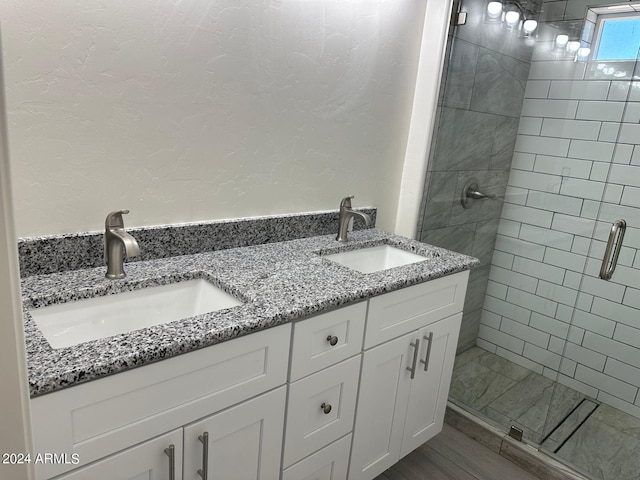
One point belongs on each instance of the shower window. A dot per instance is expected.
(618, 38)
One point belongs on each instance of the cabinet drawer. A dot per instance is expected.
(309, 428)
(107, 415)
(402, 311)
(312, 339)
(330, 463)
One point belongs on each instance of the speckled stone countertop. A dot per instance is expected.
(279, 282)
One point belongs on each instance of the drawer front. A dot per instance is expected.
(107, 415)
(313, 338)
(402, 311)
(321, 409)
(330, 463)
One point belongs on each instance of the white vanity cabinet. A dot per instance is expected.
(405, 381)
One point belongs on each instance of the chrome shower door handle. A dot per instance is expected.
(609, 261)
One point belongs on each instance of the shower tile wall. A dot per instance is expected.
(479, 111)
(566, 143)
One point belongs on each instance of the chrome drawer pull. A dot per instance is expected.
(204, 472)
(609, 263)
(171, 453)
(428, 355)
(333, 340)
(412, 368)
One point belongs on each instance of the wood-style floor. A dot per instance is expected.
(452, 455)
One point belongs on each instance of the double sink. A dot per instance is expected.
(75, 322)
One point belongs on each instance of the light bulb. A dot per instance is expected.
(512, 18)
(494, 9)
(529, 26)
(562, 40)
(584, 52)
(573, 47)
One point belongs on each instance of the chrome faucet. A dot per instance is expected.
(118, 245)
(346, 213)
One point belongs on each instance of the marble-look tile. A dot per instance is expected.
(563, 431)
(469, 355)
(441, 196)
(459, 238)
(464, 140)
(476, 386)
(469, 330)
(499, 84)
(619, 420)
(489, 182)
(476, 288)
(504, 142)
(503, 366)
(484, 240)
(460, 74)
(603, 451)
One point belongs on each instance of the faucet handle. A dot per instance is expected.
(114, 219)
(346, 201)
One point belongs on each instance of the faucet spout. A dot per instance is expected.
(346, 214)
(118, 245)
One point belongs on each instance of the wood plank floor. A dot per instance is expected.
(452, 455)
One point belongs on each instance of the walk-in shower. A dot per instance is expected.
(546, 119)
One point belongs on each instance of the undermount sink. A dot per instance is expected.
(81, 321)
(375, 259)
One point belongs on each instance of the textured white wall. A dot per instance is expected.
(195, 110)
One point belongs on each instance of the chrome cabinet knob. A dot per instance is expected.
(333, 340)
(326, 408)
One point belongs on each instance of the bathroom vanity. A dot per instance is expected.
(322, 372)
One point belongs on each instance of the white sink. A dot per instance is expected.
(81, 321)
(375, 259)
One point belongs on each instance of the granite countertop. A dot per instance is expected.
(279, 282)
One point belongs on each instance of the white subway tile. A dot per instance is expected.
(496, 290)
(590, 209)
(576, 335)
(513, 279)
(631, 113)
(618, 92)
(599, 171)
(612, 193)
(501, 339)
(524, 332)
(545, 236)
(604, 111)
(542, 356)
(572, 279)
(542, 145)
(530, 126)
(509, 228)
(557, 293)
(490, 319)
(501, 259)
(611, 348)
(580, 245)
(537, 89)
(554, 70)
(489, 347)
(635, 157)
(551, 108)
(520, 247)
(621, 405)
(579, 90)
(609, 132)
(563, 259)
(556, 345)
(610, 212)
(604, 382)
(622, 371)
(576, 187)
(631, 196)
(568, 367)
(565, 314)
(625, 175)
(629, 133)
(587, 150)
(507, 309)
(531, 302)
(516, 195)
(593, 323)
(554, 203)
(584, 301)
(539, 270)
(587, 390)
(523, 161)
(533, 216)
(580, 129)
(623, 153)
(599, 288)
(519, 360)
(585, 356)
(550, 325)
(535, 181)
(628, 335)
(632, 295)
(567, 167)
(575, 225)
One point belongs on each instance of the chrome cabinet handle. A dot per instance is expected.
(609, 262)
(412, 368)
(326, 408)
(428, 355)
(204, 439)
(171, 453)
(333, 340)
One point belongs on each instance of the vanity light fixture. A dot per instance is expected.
(512, 15)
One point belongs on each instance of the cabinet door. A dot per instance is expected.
(430, 387)
(382, 406)
(147, 460)
(330, 463)
(244, 442)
